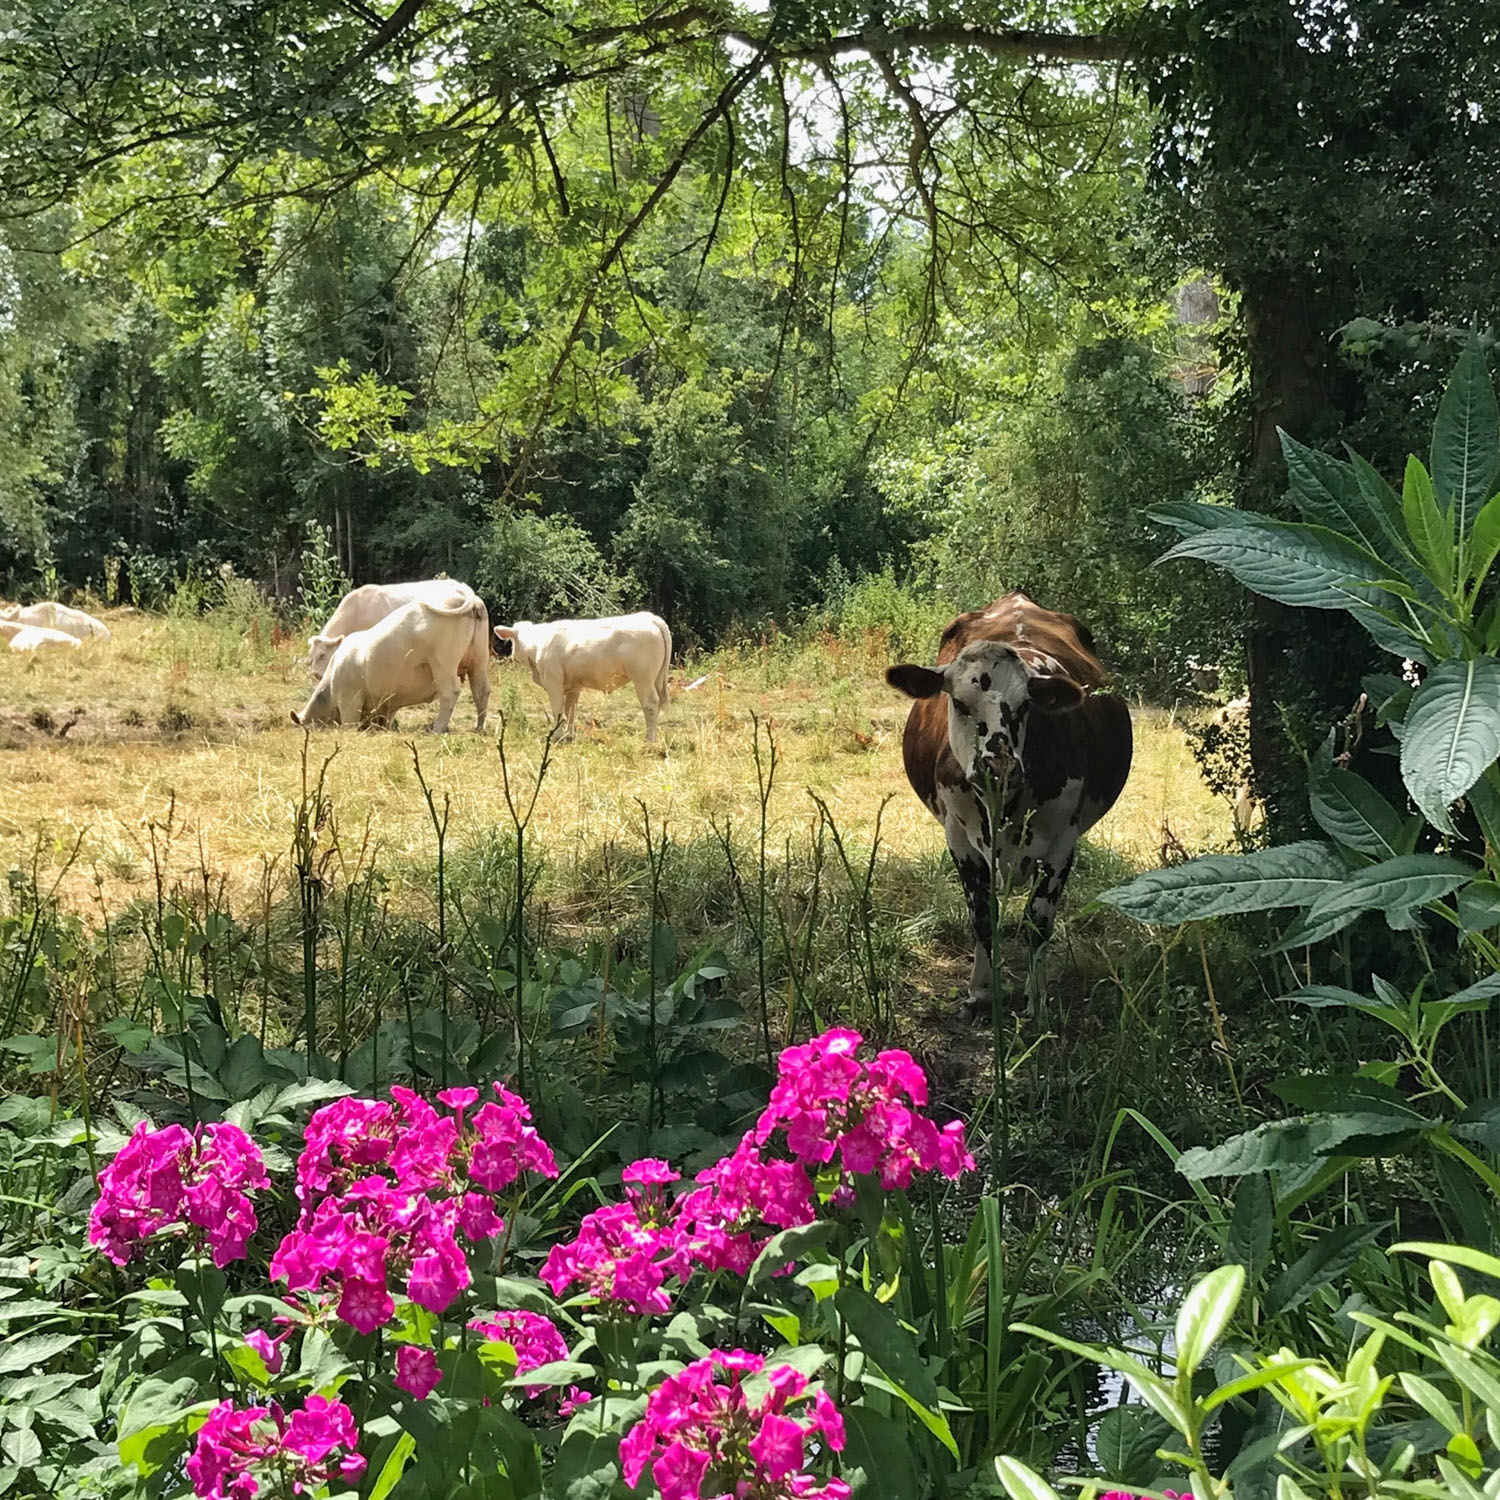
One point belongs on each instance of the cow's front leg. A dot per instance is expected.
(570, 712)
(974, 873)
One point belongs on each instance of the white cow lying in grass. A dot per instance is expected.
(53, 616)
(411, 656)
(367, 605)
(36, 637)
(567, 656)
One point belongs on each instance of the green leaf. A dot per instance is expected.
(1351, 812)
(877, 1457)
(1126, 1443)
(390, 1470)
(586, 1467)
(1394, 886)
(1022, 1483)
(1431, 1400)
(1484, 542)
(1290, 1143)
(934, 1421)
(1466, 438)
(786, 1247)
(36, 1350)
(1249, 1239)
(1254, 1381)
(1205, 1314)
(885, 1341)
(1458, 1255)
(1216, 885)
(1430, 528)
(1334, 1253)
(1451, 733)
(1384, 505)
(1308, 567)
(1479, 906)
(1329, 493)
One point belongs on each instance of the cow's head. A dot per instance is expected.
(320, 649)
(991, 692)
(520, 649)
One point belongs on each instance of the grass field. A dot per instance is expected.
(188, 718)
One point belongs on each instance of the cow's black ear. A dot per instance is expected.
(914, 681)
(1055, 695)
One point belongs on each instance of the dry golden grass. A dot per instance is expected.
(192, 716)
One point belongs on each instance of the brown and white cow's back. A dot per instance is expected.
(1012, 709)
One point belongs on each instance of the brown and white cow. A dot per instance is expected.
(1012, 705)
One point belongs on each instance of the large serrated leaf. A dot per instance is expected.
(1466, 438)
(1451, 734)
(1327, 1260)
(1308, 567)
(1126, 1444)
(1328, 493)
(1290, 1143)
(1216, 885)
(1393, 886)
(1351, 812)
(1429, 526)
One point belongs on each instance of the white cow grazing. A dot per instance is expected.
(567, 656)
(411, 656)
(36, 637)
(367, 605)
(54, 616)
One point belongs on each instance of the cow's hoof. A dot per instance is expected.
(978, 1008)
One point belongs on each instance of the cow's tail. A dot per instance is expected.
(666, 663)
(470, 604)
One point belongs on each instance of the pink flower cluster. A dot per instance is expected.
(537, 1342)
(702, 1438)
(626, 1252)
(829, 1107)
(387, 1190)
(305, 1450)
(160, 1178)
(830, 1117)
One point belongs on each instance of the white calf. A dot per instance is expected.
(566, 656)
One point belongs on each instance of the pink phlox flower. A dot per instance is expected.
(346, 1136)
(620, 1258)
(701, 1438)
(536, 1341)
(417, 1370)
(650, 1171)
(317, 1442)
(505, 1144)
(268, 1348)
(161, 1178)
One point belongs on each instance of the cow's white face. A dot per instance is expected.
(523, 653)
(320, 649)
(991, 692)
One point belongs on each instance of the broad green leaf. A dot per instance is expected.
(1290, 1143)
(586, 1467)
(1479, 906)
(877, 1457)
(1431, 1400)
(1328, 493)
(1429, 527)
(1451, 733)
(1393, 886)
(1351, 812)
(1484, 542)
(1254, 1381)
(1192, 516)
(35, 1350)
(885, 1341)
(1340, 1091)
(934, 1421)
(390, 1470)
(1466, 438)
(1216, 885)
(787, 1247)
(558, 1372)
(1458, 1255)
(1308, 567)
(1126, 1443)
(1335, 1251)
(1384, 504)
(1205, 1314)
(1022, 1483)
(1249, 1239)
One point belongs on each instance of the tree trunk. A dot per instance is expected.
(1303, 666)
